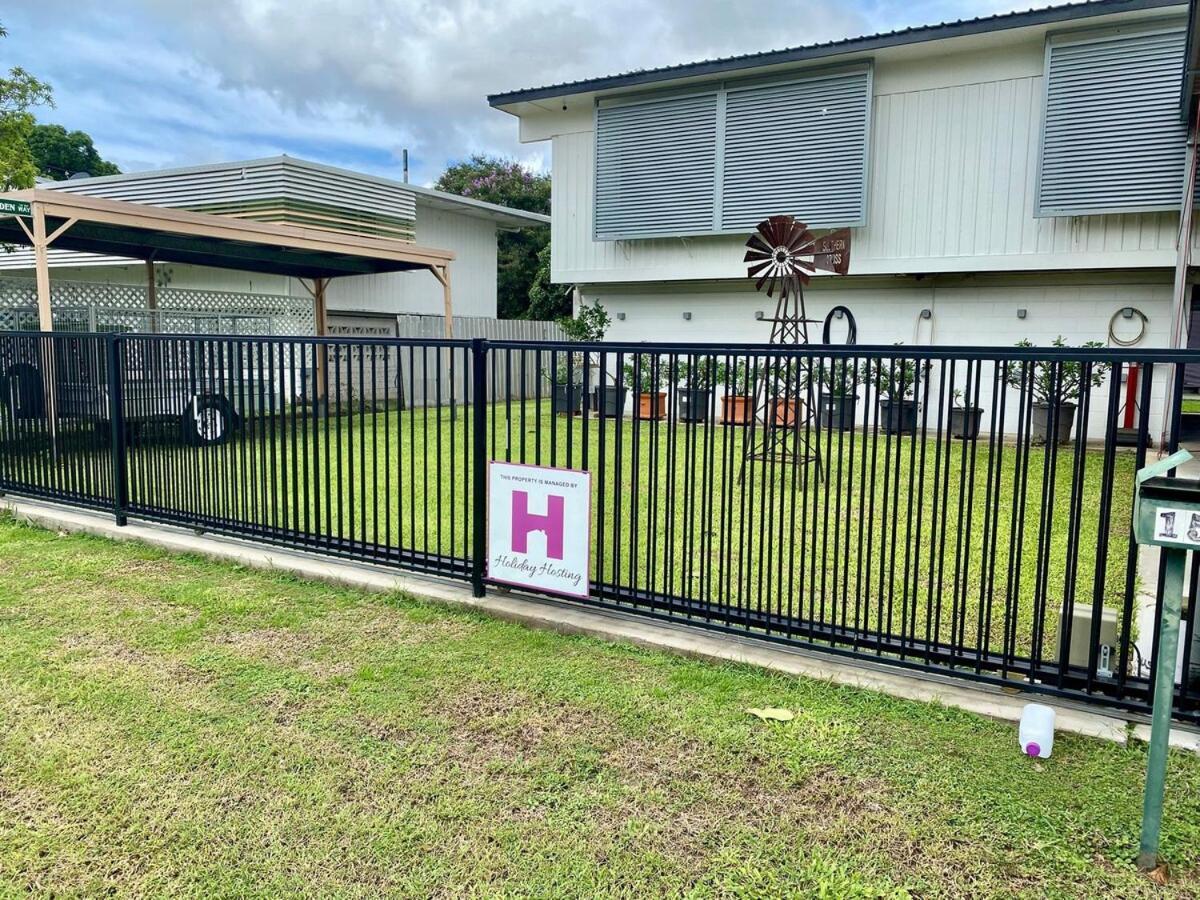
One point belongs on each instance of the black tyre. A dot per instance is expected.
(207, 420)
(22, 393)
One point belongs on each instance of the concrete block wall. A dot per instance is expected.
(964, 310)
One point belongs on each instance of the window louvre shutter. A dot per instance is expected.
(798, 148)
(1113, 140)
(656, 167)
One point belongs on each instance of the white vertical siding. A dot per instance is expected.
(951, 189)
(472, 274)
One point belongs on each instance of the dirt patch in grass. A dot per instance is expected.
(490, 723)
(100, 654)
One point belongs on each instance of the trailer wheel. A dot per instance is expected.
(207, 420)
(22, 393)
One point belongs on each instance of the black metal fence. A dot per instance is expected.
(959, 510)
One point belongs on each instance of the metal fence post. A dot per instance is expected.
(478, 464)
(116, 422)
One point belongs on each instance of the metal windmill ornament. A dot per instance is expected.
(781, 256)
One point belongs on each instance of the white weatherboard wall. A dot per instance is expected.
(953, 165)
(472, 273)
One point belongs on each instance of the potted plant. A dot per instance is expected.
(738, 376)
(566, 397)
(789, 382)
(1056, 389)
(695, 378)
(588, 325)
(964, 420)
(645, 375)
(896, 380)
(839, 402)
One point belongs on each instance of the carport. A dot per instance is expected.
(43, 219)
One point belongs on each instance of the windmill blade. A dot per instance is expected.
(766, 230)
(758, 267)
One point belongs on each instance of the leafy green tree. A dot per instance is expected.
(19, 93)
(59, 153)
(546, 299)
(508, 183)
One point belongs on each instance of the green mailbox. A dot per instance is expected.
(1166, 510)
(1166, 513)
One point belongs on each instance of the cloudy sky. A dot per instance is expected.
(350, 82)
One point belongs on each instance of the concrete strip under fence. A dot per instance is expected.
(609, 625)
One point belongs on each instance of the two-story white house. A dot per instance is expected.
(1015, 176)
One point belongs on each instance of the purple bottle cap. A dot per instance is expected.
(1033, 749)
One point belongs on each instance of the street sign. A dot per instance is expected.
(16, 208)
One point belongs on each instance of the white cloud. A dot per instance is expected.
(165, 82)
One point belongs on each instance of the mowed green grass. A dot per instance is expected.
(932, 539)
(176, 726)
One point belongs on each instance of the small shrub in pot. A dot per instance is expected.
(1054, 388)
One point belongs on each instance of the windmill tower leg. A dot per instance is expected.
(787, 441)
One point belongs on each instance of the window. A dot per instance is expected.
(655, 163)
(1112, 138)
(721, 161)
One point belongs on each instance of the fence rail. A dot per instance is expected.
(958, 510)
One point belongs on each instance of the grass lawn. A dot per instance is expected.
(170, 725)
(931, 539)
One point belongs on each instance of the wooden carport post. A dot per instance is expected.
(41, 257)
(442, 274)
(317, 291)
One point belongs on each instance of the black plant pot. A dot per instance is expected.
(899, 416)
(609, 400)
(694, 404)
(1039, 422)
(964, 422)
(567, 399)
(838, 411)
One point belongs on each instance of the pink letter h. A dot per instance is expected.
(523, 522)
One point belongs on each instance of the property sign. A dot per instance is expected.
(539, 527)
(15, 208)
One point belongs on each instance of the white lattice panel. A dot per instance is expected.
(180, 310)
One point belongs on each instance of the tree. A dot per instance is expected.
(508, 183)
(19, 92)
(59, 153)
(546, 299)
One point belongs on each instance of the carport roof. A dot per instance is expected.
(138, 231)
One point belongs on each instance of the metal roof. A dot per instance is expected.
(914, 35)
(139, 231)
(501, 215)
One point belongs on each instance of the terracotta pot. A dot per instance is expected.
(652, 406)
(737, 409)
(785, 413)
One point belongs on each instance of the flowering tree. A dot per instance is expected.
(508, 183)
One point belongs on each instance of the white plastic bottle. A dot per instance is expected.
(1036, 733)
